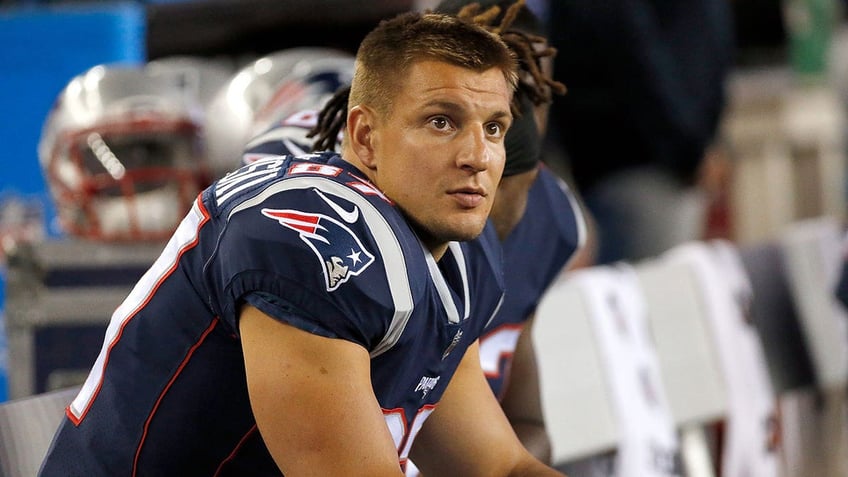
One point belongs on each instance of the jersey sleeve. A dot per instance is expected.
(546, 238)
(312, 253)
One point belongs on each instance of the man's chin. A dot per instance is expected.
(434, 238)
(468, 231)
(456, 228)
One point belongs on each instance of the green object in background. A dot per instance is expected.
(810, 25)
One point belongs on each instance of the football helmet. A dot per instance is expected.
(198, 78)
(122, 149)
(264, 94)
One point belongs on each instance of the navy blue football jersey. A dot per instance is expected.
(547, 236)
(311, 243)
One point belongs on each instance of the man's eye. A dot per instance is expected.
(494, 129)
(440, 123)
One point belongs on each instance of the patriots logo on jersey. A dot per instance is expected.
(426, 385)
(340, 251)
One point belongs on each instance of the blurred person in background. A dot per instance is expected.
(646, 83)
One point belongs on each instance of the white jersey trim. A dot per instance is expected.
(579, 218)
(463, 271)
(184, 237)
(442, 286)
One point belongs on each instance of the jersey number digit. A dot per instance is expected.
(497, 346)
(403, 437)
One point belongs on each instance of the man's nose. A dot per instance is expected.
(475, 154)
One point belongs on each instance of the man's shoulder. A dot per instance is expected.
(555, 189)
(320, 237)
(316, 203)
(553, 212)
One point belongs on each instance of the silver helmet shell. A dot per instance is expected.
(199, 78)
(122, 152)
(262, 94)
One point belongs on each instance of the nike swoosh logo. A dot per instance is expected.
(349, 217)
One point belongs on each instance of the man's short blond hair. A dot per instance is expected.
(386, 54)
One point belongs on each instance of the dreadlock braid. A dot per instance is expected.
(533, 81)
(331, 120)
(471, 12)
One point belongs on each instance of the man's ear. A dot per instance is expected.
(360, 128)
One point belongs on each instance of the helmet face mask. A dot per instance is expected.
(123, 155)
(115, 182)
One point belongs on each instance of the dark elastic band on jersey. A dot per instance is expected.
(522, 141)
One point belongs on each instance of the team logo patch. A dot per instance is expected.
(340, 251)
(426, 385)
